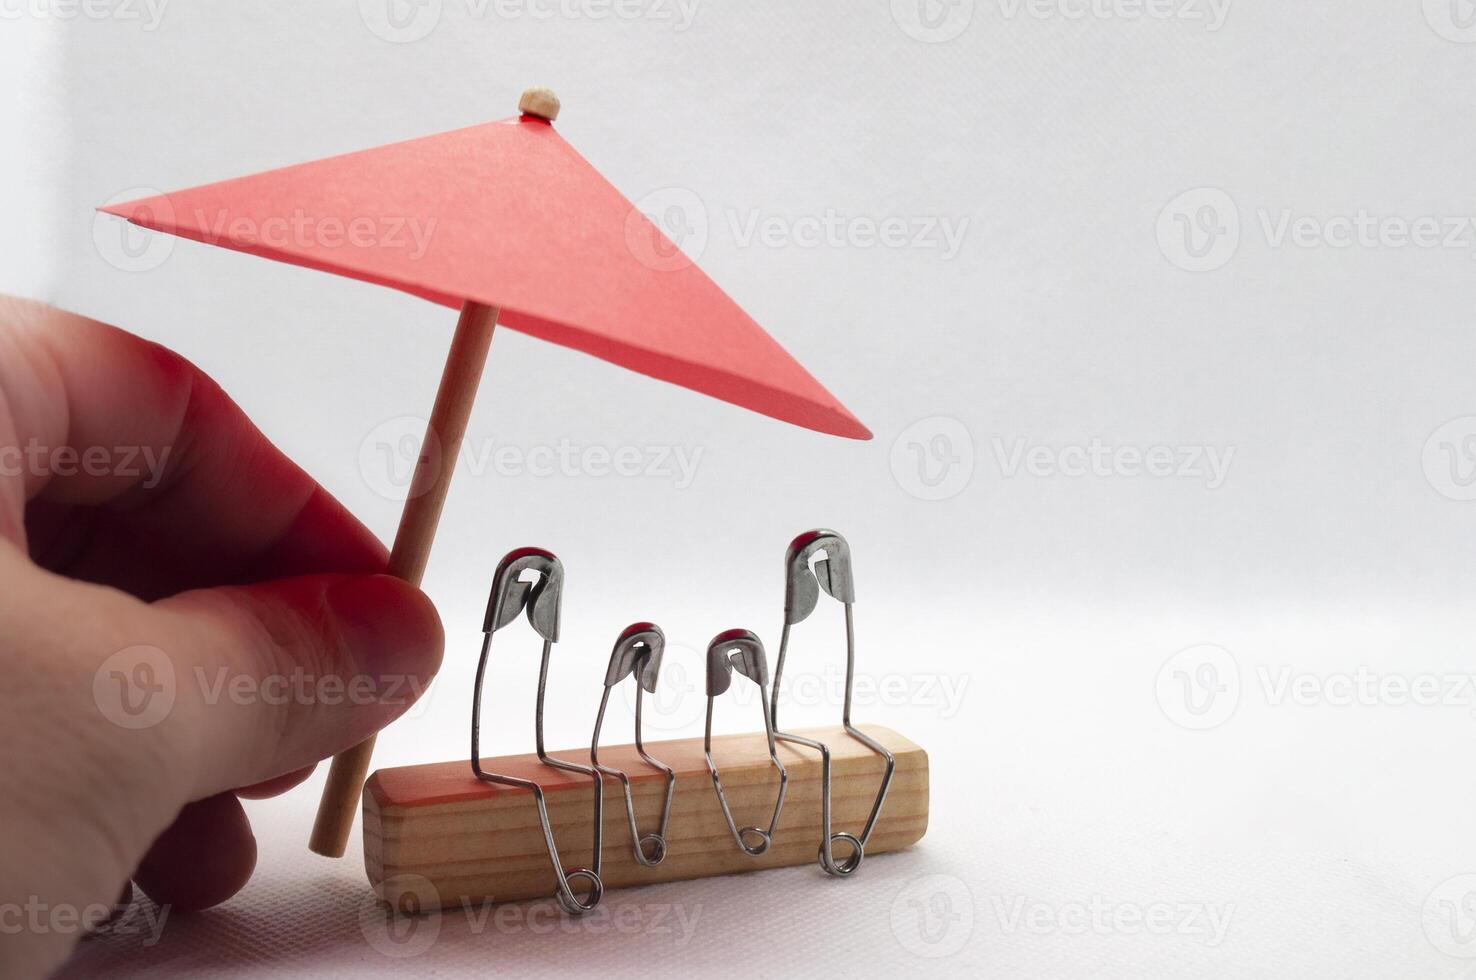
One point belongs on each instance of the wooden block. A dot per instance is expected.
(474, 841)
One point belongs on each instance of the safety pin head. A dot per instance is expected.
(542, 597)
(638, 651)
(803, 581)
(739, 649)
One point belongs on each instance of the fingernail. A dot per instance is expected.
(389, 627)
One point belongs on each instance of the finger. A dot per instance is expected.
(124, 448)
(205, 857)
(271, 678)
(275, 787)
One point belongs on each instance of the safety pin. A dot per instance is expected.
(637, 653)
(832, 572)
(741, 649)
(543, 598)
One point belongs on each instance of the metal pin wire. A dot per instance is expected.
(542, 600)
(832, 573)
(638, 653)
(741, 650)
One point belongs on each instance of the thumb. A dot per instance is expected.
(271, 678)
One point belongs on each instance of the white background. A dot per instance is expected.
(1121, 182)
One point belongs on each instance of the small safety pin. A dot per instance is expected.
(741, 649)
(637, 653)
(542, 598)
(801, 594)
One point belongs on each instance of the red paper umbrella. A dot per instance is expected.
(507, 222)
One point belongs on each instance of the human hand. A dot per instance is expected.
(186, 618)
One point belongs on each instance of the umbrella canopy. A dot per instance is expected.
(509, 215)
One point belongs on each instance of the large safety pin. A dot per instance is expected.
(742, 650)
(637, 653)
(803, 583)
(542, 598)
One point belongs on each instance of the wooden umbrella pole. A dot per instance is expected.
(433, 471)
